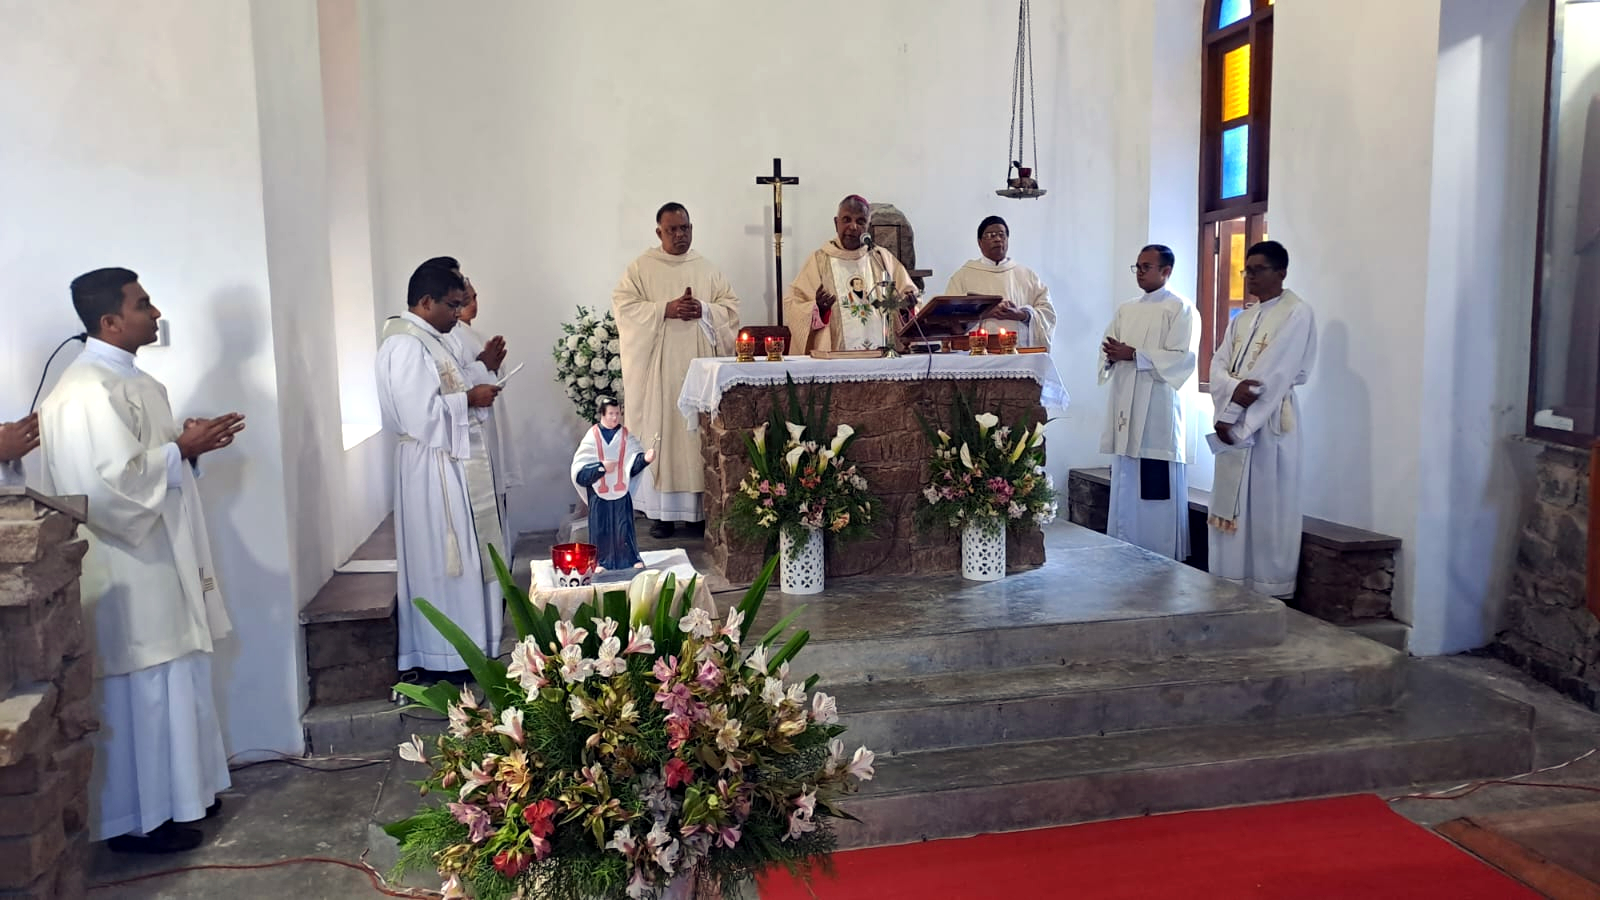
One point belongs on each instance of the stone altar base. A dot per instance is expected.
(891, 453)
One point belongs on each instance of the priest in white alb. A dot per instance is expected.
(1026, 308)
(672, 306)
(830, 303)
(1148, 356)
(150, 593)
(1267, 352)
(445, 511)
(481, 360)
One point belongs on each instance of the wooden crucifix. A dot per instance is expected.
(777, 180)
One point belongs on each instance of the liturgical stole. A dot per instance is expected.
(480, 477)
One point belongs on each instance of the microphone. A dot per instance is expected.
(82, 338)
(867, 242)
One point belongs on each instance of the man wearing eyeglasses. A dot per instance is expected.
(445, 509)
(1026, 308)
(1149, 354)
(1267, 352)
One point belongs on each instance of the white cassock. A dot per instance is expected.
(1255, 504)
(1016, 283)
(656, 352)
(149, 593)
(467, 344)
(445, 510)
(1144, 421)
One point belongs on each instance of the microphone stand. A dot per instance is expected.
(887, 303)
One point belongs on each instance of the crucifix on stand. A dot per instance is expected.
(777, 180)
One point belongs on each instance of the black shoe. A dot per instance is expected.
(169, 838)
(662, 530)
(214, 808)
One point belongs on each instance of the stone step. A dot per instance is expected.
(1098, 600)
(1318, 670)
(363, 726)
(1443, 730)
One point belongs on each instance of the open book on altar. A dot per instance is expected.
(949, 315)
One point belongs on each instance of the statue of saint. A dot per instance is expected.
(603, 468)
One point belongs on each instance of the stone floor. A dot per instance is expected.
(278, 811)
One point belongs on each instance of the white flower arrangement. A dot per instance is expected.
(588, 359)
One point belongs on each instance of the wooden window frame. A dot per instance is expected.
(1256, 31)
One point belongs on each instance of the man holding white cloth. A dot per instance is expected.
(1268, 351)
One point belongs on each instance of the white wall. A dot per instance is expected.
(131, 139)
(535, 142)
(1352, 149)
(1487, 125)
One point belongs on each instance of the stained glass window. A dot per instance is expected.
(1235, 161)
(1236, 83)
(1231, 11)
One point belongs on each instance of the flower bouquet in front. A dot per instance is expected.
(641, 748)
(984, 479)
(588, 359)
(800, 488)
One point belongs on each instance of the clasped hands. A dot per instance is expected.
(1244, 395)
(1115, 350)
(494, 353)
(685, 307)
(1009, 311)
(201, 436)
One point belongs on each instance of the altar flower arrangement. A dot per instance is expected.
(800, 478)
(985, 474)
(642, 748)
(588, 359)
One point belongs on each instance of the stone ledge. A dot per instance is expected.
(355, 596)
(24, 716)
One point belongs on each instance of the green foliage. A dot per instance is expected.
(984, 473)
(799, 479)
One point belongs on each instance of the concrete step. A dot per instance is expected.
(1387, 632)
(1318, 670)
(363, 726)
(1442, 730)
(1103, 600)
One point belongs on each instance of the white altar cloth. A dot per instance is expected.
(709, 377)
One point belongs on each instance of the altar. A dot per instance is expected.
(881, 399)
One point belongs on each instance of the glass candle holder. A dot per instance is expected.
(745, 348)
(775, 349)
(978, 343)
(1008, 341)
(574, 564)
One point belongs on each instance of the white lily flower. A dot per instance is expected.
(966, 457)
(792, 458)
(697, 623)
(985, 422)
(824, 456)
(839, 437)
(795, 431)
(824, 710)
(944, 437)
(759, 434)
(758, 659)
(1038, 435)
(412, 751)
(861, 764)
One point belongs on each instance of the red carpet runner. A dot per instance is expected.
(1346, 847)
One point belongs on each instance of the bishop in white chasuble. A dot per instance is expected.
(1148, 356)
(1027, 309)
(150, 593)
(672, 306)
(828, 306)
(445, 511)
(1267, 352)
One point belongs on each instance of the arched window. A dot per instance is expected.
(1236, 117)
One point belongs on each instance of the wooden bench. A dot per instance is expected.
(1346, 573)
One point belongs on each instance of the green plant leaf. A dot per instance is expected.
(420, 696)
(789, 649)
(402, 829)
(490, 674)
(750, 605)
(781, 627)
(517, 603)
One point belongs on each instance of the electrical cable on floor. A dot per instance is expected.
(361, 762)
(1473, 787)
(379, 883)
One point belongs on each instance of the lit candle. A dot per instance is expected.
(746, 347)
(775, 349)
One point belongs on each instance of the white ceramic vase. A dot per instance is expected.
(801, 565)
(983, 552)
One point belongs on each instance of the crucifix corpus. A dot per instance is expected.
(777, 180)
